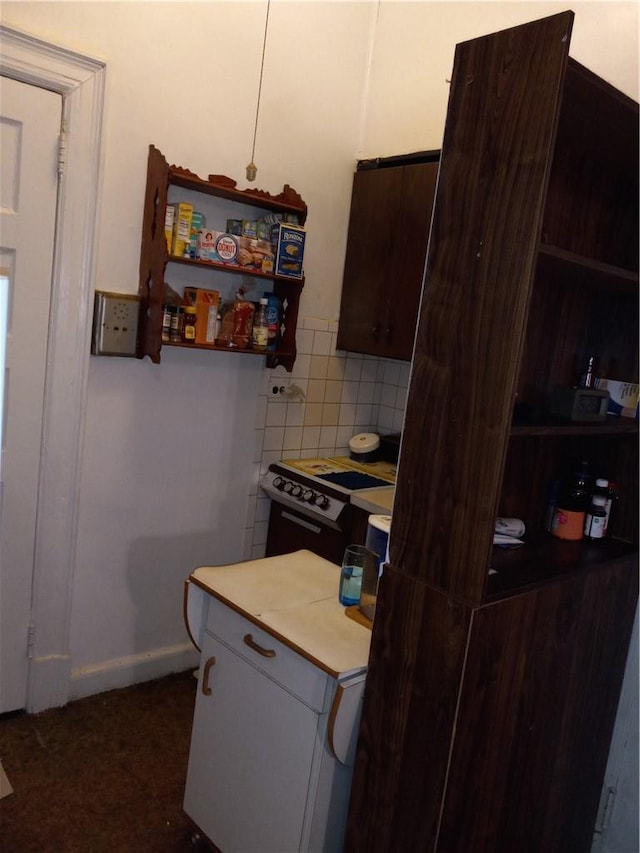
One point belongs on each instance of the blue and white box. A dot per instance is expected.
(623, 397)
(288, 248)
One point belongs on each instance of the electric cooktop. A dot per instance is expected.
(345, 472)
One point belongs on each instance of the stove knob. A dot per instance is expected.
(322, 502)
(288, 485)
(308, 496)
(278, 482)
(296, 491)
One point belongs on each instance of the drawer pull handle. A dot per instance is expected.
(266, 653)
(314, 528)
(206, 690)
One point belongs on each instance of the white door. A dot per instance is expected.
(29, 130)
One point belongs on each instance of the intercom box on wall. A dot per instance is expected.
(115, 324)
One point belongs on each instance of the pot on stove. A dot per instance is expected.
(364, 447)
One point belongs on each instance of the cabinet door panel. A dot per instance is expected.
(541, 684)
(375, 208)
(404, 284)
(251, 753)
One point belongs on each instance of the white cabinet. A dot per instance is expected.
(273, 738)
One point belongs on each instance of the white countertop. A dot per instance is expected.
(376, 501)
(295, 598)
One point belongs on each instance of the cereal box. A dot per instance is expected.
(288, 243)
(183, 211)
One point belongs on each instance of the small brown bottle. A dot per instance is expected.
(189, 325)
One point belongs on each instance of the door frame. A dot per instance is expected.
(81, 82)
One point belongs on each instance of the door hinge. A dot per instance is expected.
(30, 640)
(62, 151)
(604, 812)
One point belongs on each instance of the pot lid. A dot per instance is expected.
(364, 442)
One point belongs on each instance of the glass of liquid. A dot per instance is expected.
(356, 559)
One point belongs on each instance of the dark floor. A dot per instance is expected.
(105, 773)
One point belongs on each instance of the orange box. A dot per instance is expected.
(206, 303)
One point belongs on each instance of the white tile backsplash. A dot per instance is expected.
(341, 394)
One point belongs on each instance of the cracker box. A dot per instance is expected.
(288, 247)
(255, 254)
(183, 211)
(206, 303)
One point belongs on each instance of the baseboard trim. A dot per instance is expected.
(133, 669)
(48, 682)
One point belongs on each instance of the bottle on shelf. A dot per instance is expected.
(573, 502)
(260, 332)
(189, 325)
(552, 503)
(175, 333)
(588, 372)
(595, 519)
(167, 311)
(274, 319)
(603, 490)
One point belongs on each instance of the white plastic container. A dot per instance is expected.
(378, 529)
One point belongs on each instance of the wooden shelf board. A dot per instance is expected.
(543, 558)
(612, 426)
(589, 272)
(223, 348)
(234, 268)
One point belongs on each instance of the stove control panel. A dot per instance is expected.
(302, 493)
(303, 497)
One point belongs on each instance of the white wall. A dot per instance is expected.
(170, 451)
(413, 59)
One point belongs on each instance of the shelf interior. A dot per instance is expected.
(543, 558)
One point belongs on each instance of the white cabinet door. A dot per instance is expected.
(250, 764)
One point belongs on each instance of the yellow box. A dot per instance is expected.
(183, 211)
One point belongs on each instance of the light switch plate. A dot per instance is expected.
(115, 324)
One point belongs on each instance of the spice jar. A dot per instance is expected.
(166, 323)
(189, 325)
(175, 335)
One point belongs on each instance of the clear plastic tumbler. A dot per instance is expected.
(356, 557)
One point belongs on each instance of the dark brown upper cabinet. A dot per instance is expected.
(389, 223)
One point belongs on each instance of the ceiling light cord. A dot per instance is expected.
(252, 168)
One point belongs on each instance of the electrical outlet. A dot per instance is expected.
(115, 323)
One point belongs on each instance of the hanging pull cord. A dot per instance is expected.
(252, 168)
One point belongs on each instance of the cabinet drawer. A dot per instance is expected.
(275, 659)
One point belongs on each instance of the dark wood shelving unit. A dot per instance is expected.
(154, 257)
(491, 698)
